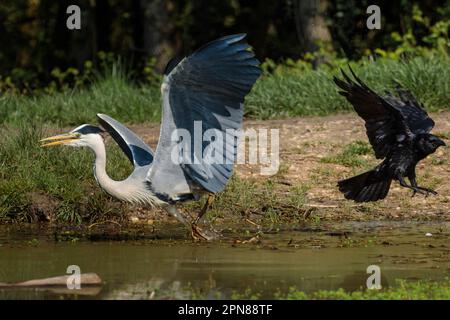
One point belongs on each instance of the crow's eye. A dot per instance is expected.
(400, 137)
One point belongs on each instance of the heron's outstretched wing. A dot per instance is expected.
(137, 151)
(204, 91)
(385, 123)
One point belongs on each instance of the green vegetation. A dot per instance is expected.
(111, 94)
(299, 90)
(290, 90)
(263, 199)
(51, 184)
(351, 155)
(402, 290)
(39, 51)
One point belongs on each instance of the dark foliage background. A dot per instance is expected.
(146, 34)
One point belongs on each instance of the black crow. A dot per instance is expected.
(398, 128)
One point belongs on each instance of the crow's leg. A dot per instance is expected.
(428, 190)
(412, 178)
(405, 185)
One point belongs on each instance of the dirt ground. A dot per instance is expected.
(305, 142)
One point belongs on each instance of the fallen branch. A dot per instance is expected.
(89, 279)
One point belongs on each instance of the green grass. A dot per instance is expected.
(351, 155)
(289, 91)
(62, 178)
(248, 197)
(112, 95)
(402, 290)
(302, 91)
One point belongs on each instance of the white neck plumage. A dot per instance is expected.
(108, 184)
(129, 190)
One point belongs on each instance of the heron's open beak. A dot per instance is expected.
(59, 139)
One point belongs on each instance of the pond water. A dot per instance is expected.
(325, 257)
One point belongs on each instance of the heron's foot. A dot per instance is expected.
(203, 233)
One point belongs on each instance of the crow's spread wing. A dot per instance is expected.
(386, 125)
(412, 111)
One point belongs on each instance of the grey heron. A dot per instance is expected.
(204, 91)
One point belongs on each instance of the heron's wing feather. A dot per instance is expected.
(206, 91)
(137, 151)
(385, 124)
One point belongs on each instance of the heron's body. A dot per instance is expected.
(203, 93)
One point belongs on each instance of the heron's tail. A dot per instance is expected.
(365, 187)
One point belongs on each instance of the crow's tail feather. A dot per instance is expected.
(365, 187)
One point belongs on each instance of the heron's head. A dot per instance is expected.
(429, 143)
(85, 135)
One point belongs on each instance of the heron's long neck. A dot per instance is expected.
(100, 167)
(126, 190)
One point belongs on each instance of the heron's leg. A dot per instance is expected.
(173, 211)
(205, 208)
(197, 232)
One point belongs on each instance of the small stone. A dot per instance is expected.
(134, 219)
(428, 234)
